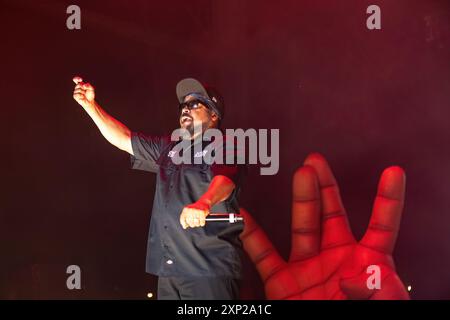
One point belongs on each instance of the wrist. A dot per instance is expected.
(89, 106)
(205, 202)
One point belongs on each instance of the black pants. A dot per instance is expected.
(204, 288)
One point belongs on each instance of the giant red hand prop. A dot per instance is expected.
(326, 262)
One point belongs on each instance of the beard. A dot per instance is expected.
(190, 128)
(194, 127)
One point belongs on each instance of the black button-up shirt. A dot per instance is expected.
(212, 250)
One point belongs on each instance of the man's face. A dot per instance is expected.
(196, 117)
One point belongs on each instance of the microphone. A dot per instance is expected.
(230, 217)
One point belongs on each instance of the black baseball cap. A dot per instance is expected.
(189, 86)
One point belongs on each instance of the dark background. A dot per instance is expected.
(365, 99)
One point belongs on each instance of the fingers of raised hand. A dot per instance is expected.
(77, 79)
(79, 89)
(88, 87)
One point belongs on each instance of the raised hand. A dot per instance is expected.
(326, 262)
(83, 93)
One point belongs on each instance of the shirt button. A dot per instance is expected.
(169, 261)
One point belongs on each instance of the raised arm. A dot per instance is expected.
(113, 130)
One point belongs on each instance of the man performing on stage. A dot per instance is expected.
(193, 259)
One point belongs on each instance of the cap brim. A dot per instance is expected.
(189, 85)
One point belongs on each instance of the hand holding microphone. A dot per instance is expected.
(195, 215)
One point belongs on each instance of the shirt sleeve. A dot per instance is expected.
(146, 151)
